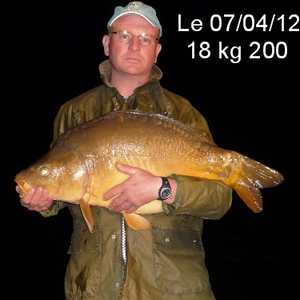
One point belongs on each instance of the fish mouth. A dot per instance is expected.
(24, 187)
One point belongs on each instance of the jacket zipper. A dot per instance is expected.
(123, 243)
(124, 251)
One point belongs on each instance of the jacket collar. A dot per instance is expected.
(104, 68)
(155, 100)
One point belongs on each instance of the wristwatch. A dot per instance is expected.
(165, 189)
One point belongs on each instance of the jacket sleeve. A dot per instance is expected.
(205, 198)
(199, 197)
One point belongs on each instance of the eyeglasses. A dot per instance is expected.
(125, 37)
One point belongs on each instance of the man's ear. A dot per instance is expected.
(106, 42)
(158, 49)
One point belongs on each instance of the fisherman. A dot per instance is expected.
(115, 261)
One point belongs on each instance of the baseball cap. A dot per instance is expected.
(137, 8)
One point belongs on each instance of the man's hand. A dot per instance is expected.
(36, 199)
(140, 188)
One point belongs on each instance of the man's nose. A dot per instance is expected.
(135, 44)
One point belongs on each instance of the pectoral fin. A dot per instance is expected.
(86, 212)
(136, 222)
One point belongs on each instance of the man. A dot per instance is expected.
(116, 262)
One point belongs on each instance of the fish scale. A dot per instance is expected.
(81, 166)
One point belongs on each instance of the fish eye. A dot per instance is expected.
(44, 171)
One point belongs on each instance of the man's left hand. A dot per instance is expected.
(140, 188)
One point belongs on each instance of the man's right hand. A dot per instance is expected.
(36, 199)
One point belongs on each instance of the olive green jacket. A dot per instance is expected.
(165, 262)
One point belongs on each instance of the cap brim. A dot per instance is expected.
(131, 13)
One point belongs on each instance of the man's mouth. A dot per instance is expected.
(132, 59)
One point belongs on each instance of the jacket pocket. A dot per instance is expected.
(179, 261)
(84, 241)
(82, 280)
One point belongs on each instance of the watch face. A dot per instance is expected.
(165, 193)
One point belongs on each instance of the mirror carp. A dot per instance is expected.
(81, 166)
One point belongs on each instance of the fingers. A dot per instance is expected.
(122, 203)
(127, 169)
(140, 188)
(118, 189)
(113, 192)
(132, 208)
(37, 199)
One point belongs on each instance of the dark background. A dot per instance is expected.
(51, 54)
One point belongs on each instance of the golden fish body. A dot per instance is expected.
(81, 166)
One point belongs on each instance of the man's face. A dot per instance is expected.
(132, 58)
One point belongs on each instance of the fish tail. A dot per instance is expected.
(136, 222)
(252, 176)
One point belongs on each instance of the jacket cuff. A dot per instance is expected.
(170, 209)
(53, 209)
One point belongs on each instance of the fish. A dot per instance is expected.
(81, 166)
